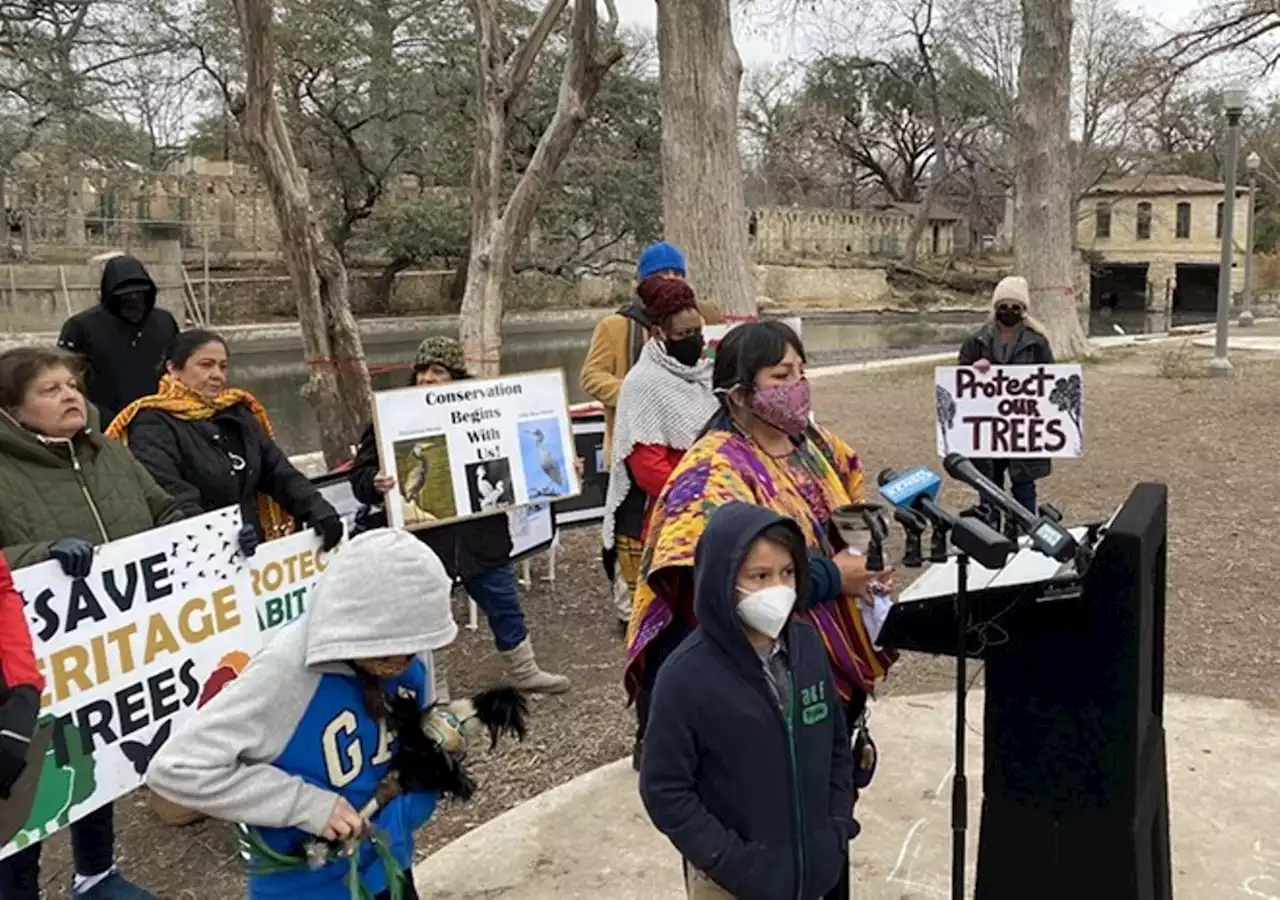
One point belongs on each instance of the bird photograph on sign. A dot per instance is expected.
(546, 470)
(489, 485)
(423, 474)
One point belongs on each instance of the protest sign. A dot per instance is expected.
(588, 443)
(163, 620)
(532, 528)
(475, 447)
(281, 573)
(1010, 412)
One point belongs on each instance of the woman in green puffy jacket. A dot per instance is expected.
(64, 489)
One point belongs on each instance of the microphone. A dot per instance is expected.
(913, 526)
(855, 518)
(1048, 535)
(916, 490)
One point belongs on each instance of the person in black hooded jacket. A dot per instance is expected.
(747, 767)
(211, 446)
(123, 339)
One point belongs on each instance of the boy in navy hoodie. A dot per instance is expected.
(747, 767)
(295, 745)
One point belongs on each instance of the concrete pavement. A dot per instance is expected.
(590, 839)
(1254, 344)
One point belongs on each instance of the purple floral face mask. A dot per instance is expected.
(784, 406)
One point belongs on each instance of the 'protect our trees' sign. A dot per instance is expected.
(1010, 412)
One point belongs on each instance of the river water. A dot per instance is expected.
(274, 371)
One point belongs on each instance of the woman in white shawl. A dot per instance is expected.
(665, 402)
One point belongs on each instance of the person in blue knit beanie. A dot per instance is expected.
(663, 259)
(615, 346)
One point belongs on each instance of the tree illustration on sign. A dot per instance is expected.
(1066, 396)
(945, 406)
(63, 786)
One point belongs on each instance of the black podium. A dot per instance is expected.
(1075, 794)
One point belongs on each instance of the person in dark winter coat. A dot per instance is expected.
(211, 446)
(66, 489)
(1010, 338)
(123, 339)
(747, 767)
(477, 551)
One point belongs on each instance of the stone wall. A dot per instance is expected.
(847, 288)
(41, 297)
(785, 235)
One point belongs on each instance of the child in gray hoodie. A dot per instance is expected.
(300, 741)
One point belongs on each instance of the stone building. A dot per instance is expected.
(1154, 244)
(782, 234)
(197, 204)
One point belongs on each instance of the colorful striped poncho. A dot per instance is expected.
(821, 475)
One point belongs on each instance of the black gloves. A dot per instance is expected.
(248, 540)
(17, 723)
(74, 555)
(329, 527)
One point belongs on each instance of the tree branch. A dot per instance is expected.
(530, 47)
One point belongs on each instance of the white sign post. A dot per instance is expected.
(1010, 412)
(475, 447)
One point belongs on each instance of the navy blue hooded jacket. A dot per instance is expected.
(761, 804)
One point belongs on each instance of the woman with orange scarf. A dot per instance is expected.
(210, 446)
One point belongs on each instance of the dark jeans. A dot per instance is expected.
(93, 842)
(409, 893)
(495, 592)
(1023, 491)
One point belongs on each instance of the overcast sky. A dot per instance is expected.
(757, 49)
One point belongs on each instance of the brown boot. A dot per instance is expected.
(523, 673)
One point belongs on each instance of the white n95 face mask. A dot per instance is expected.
(767, 610)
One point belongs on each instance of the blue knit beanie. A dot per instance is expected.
(660, 257)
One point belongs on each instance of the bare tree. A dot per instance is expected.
(498, 228)
(1245, 29)
(703, 207)
(339, 385)
(1044, 251)
(920, 19)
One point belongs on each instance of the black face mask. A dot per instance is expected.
(687, 350)
(1009, 317)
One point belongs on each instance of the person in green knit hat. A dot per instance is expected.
(476, 551)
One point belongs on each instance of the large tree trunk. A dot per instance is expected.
(498, 230)
(339, 385)
(703, 209)
(1044, 251)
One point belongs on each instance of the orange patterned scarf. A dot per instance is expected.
(179, 401)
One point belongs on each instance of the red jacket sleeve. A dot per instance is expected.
(17, 658)
(651, 465)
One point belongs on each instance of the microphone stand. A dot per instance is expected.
(959, 782)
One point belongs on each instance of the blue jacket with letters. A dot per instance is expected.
(278, 745)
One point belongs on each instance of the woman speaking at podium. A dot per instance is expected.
(761, 448)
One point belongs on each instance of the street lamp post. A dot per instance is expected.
(1233, 100)
(1251, 162)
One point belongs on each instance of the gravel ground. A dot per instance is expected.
(1149, 417)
